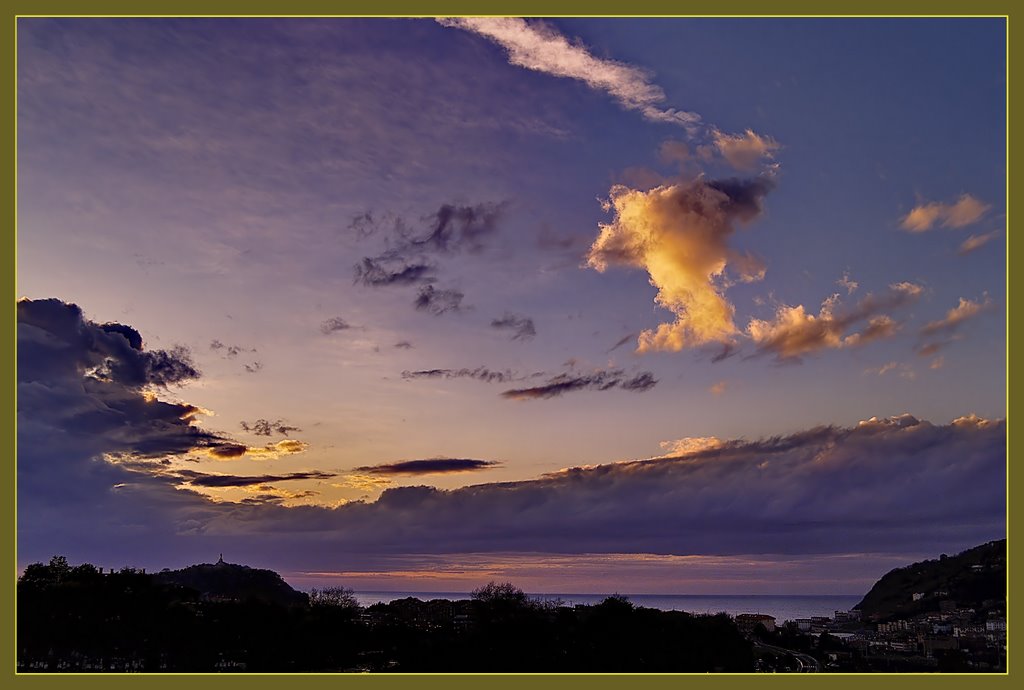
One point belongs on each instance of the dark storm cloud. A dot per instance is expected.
(438, 302)
(85, 391)
(228, 451)
(432, 466)
(333, 325)
(454, 228)
(384, 270)
(264, 427)
(640, 382)
(60, 341)
(230, 480)
(570, 382)
(521, 326)
(745, 196)
(480, 374)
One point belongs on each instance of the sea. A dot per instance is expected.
(782, 607)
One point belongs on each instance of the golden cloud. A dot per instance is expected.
(679, 235)
(966, 210)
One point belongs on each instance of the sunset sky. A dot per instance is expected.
(645, 305)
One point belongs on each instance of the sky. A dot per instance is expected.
(592, 305)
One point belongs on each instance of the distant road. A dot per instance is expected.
(805, 662)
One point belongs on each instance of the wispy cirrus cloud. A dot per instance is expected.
(537, 46)
(964, 211)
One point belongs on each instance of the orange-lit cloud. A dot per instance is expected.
(744, 151)
(966, 210)
(717, 388)
(965, 310)
(679, 234)
(363, 482)
(690, 445)
(270, 451)
(975, 242)
(795, 332)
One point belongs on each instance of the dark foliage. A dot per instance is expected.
(80, 619)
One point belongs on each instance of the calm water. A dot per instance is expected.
(784, 608)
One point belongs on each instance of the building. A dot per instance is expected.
(746, 622)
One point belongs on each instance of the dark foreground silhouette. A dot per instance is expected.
(225, 617)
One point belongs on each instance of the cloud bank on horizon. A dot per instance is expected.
(823, 490)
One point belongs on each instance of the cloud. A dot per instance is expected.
(975, 242)
(966, 309)
(382, 270)
(264, 427)
(270, 451)
(223, 481)
(403, 345)
(679, 234)
(869, 488)
(437, 302)
(254, 367)
(904, 371)
(794, 332)
(744, 151)
(691, 445)
(432, 466)
(521, 326)
(717, 388)
(570, 382)
(229, 351)
(452, 229)
(479, 374)
(944, 331)
(965, 211)
(619, 343)
(362, 482)
(850, 285)
(110, 353)
(333, 325)
(539, 47)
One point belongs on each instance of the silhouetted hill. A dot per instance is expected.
(229, 581)
(975, 578)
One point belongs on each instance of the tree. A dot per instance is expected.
(334, 597)
(494, 592)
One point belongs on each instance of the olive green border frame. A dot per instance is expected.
(8, 266)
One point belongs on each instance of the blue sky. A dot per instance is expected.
(213, 184)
